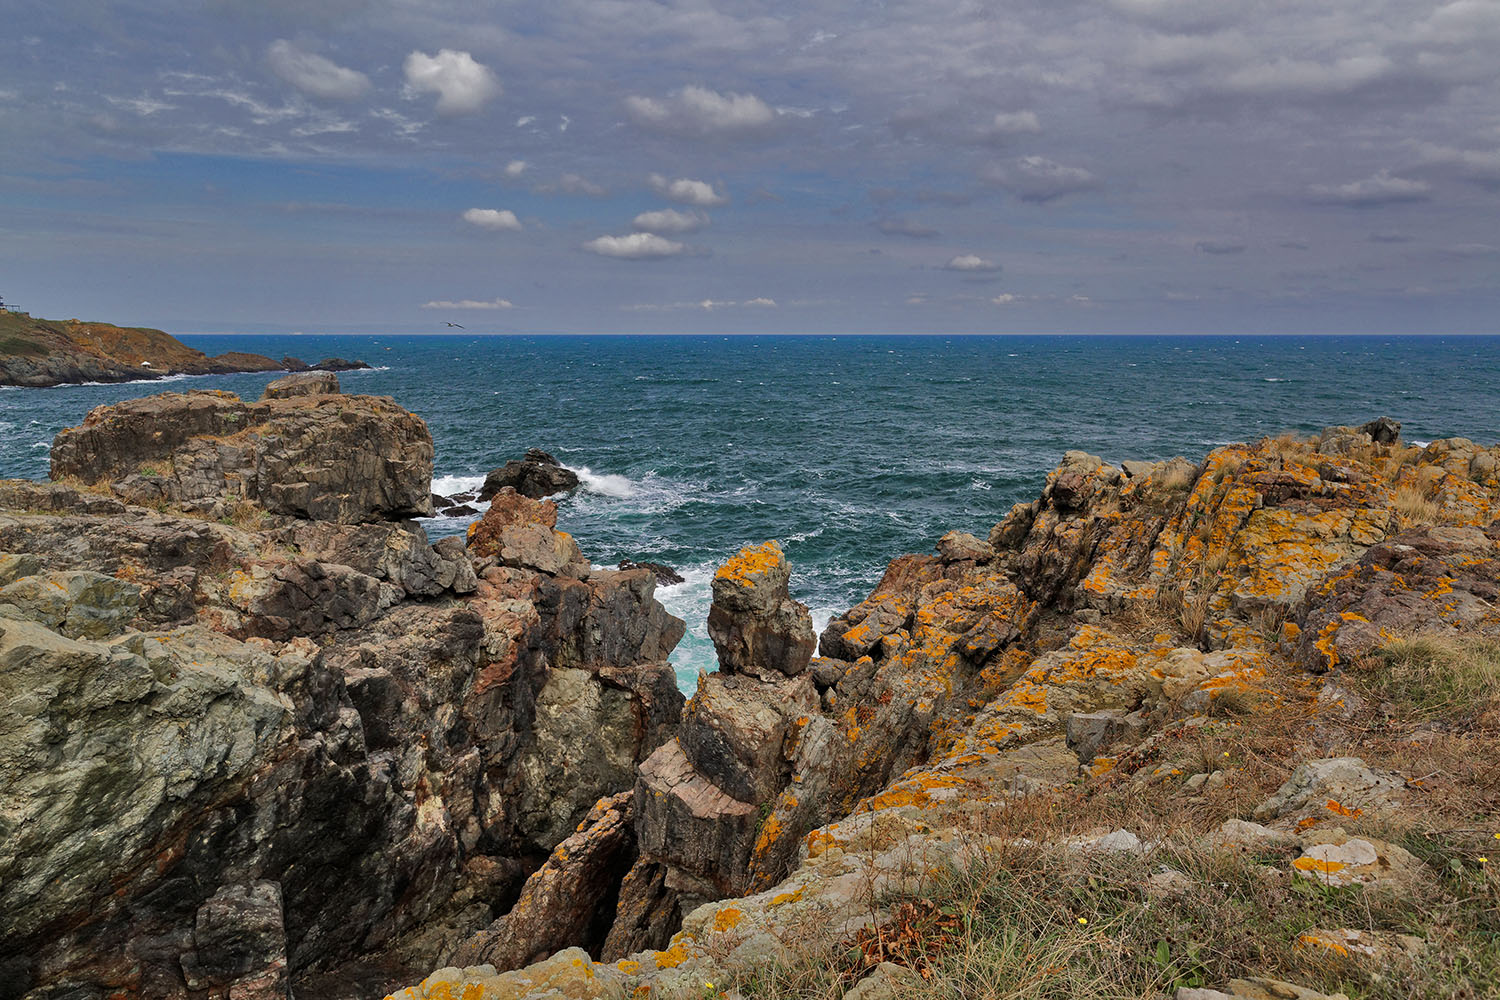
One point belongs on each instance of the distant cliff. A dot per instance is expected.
(42, 352)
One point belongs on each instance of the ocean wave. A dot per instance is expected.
(608, 484)
(42, 444)
(447, 486)
(1275, 380)
(979, 484)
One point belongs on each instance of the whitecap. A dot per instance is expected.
(609, 484)
(1421, 444)
(42, 444)
(447, 486)
(979, 484)
(1275, 380)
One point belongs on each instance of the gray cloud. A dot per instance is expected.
(314, 74)
(1219, 247)
(670, 221)
(972, 264)
(1381, 188)
(699, 110)
(1038, 179)
(468, 304)
(907, 227)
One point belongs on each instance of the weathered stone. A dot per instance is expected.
(755, 625)
(536, 475)
(1090, 732)
(239, 944)
(302, 384)
(333, 458)
(1331, 788)
(79, 604)
(1382, 430)
(959, 546)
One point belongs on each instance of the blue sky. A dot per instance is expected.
(624, 165)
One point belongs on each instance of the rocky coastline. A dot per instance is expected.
(259, 738)
(41, 353)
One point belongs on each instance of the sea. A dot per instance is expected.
(849, 450)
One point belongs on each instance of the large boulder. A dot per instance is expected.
(535, 475)
(755, 625)
(302, 384)
(327, 457)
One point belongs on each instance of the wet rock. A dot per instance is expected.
(755, 625)
(535, 475)
(330, 458)
(302, 384)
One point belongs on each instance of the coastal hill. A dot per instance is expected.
(41, 352)
(1196, 729)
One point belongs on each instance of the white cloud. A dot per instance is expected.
(699, 110)
(972, 263)
(686, 191)
(143, 106)
(669, 220)
(760, 303)
(1008, 123)
(463, 85)
(636, 246)
(314, 74)
(515, 168)
(1381, 188)
(706, 305)
(1038, 179)
(493, 218)
(1005, 299)
(468, 304)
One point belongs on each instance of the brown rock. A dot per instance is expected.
(755, 625)
(302, 384)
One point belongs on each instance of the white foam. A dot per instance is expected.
(1275, 380)
(1421, 444)
(447, 486)
(42, 444)
(608, 484)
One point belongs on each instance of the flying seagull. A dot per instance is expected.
(453, 324)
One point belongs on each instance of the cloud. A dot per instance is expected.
(1219, 247)
(1477, 166)
(636, 246)
(1040, 180)
(971, 263)
(1006, 299)
(698, 110)
(687, 192)
(468, 304)
(1012, 123)
(314, 74)
(669, 220)
(493, 218)
(463, 85)
(572, 184)
(1381, 188)
(515, 168)
(1390, 238)
(760, 303)
(706, 305)
(906, 227)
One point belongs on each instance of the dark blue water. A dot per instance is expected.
(850, 450)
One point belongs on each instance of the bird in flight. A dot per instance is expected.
(453, 324)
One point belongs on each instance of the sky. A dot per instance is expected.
(602, 166)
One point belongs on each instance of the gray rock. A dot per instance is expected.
(79, 604)
(302, 384)
(1090, 732)
(1343, 780)
(240, 943)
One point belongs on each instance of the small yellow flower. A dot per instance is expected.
(1226, 753)
(1083, 920)
(1497, 836)
(1484, 861)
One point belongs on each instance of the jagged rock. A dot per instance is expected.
(666, 576)
(647, 914)
(1435, 579)
(683, 817)
(1339, 786)
(302, 384)
(755, 625)
(331, 458)
(1382, 430)
(1089, 732)
(735, 729)
(958, 546)
(79, 604)
(563, 902)
(535, 475)
(239, 943)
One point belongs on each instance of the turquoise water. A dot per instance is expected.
(850, 450)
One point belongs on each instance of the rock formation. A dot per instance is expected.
(535, 475)
(40, 352)
(1126, 610)
(257, 746)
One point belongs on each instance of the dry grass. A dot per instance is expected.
(1416, 507)
(1452, 680)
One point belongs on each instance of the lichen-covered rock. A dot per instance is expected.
(328, 457)
(1334, 787)
(78, 603)
(755, 625)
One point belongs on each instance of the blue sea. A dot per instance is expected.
(848, 449)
